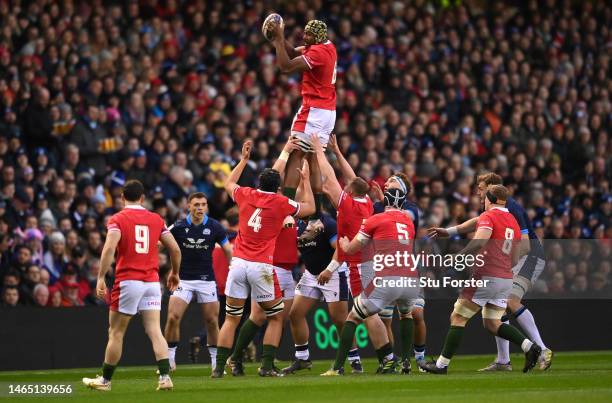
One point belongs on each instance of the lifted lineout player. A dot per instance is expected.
(133, 234)
(317, 114)
(261, 215)
(387, 233)
(526, 272)
(497, 240)
(197, 236)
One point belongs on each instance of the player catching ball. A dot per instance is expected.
(317, 59)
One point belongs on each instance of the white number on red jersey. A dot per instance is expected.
(255, 220)
(507, 246)
(402, 233)
(142, 239)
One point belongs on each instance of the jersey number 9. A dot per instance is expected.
(142, 239)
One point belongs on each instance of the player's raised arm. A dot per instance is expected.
(231, 183)
(167, 239)
(108, 253)
(307, 202)
(281, 162)
(345, 168)
(331, 186)
(464, 228)
(285, 63)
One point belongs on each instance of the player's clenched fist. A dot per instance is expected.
(101, 288)
(246, 149)
(324, 277)
(173, 282)
(344, 243)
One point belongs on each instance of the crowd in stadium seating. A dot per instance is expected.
(94, 93)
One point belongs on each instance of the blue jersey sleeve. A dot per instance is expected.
(331, 229)
(220, 234)
(379, 207)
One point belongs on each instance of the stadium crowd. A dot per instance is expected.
(94, 93)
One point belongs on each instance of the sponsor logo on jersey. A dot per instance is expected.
(195, 243)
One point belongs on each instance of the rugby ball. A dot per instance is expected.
(269, 23)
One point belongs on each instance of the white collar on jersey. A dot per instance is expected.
(135, 206)
(263, 191)
(500, 208)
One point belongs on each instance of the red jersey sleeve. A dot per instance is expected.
(240, 193)
(164, 228)
(288, 206)
(113, 224)
(484, 221)
(368, 227)
(314, 57)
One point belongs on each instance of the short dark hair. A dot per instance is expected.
(196, 195)
(269, 180)
(359, 187)
(133, 190)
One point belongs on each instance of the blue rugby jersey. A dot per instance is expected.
(197, 243)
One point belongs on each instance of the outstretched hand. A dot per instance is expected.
(376, 192)
(316, 144)
(305, 171)
(333, 144)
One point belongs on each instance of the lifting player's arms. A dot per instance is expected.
(261, 215)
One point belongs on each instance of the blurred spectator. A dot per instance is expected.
(109, 91)
(10, 297)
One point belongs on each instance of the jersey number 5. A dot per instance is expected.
(402, 233)
(142, 239)
(507, 246)
(255, 220)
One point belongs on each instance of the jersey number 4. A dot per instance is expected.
(255, 220)
(142, 239)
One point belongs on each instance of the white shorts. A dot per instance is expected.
(374, 300)
(526, 272)
(335, 290)
(252, 278)
(204, 291)
(286, 282)
(495, 293)
(308, 121)
(132, 296)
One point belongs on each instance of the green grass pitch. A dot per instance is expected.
(574, 377)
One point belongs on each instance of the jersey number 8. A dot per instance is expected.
(507, 246)
(142, 239)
